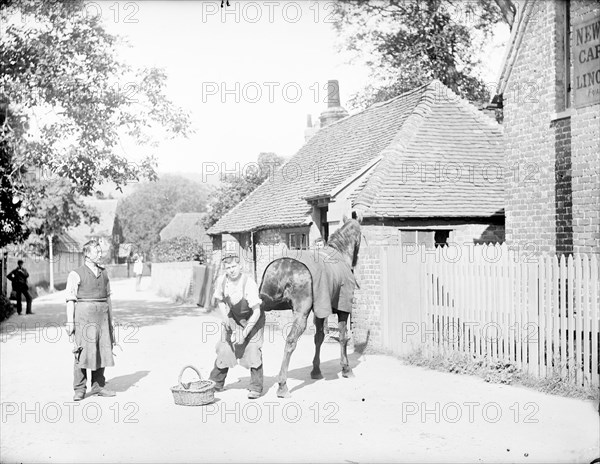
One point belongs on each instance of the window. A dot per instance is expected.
(563, 55)
(429, 238)
(297, 241)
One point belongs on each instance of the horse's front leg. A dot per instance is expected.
(344, 339)
(319, 337)
(298, 328)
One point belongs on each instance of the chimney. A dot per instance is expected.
(310, 129)
(334, 110)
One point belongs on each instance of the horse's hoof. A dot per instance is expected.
(282, 392)
(347, 373)
(316, 375)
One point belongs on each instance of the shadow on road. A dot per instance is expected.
(124, 382)
(49, 318)
(331, 370)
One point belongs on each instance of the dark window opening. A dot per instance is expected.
(441, 238)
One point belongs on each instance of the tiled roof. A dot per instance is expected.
(333, 154)
(186, 225)
(426, 125)
(106, 211)
(449, 165)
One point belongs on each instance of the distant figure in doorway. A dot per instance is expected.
(138, 270)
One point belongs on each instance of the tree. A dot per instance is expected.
(178, 249)
(12, 228)
(235, 188)
(411, 42)
(145, 212)
(70, 101)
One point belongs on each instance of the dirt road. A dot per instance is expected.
(390, 412)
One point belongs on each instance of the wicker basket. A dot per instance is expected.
(195, 393)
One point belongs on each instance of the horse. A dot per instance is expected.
(321, 280)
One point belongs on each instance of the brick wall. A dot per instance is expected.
(585, 161)
(553, 185)
(366, 312)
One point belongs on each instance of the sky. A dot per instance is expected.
(248, 74)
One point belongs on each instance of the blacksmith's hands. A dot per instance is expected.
(70, 328)
(237, 337)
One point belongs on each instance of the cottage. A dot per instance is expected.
(186, 225)
(424, 167)
(108, 230)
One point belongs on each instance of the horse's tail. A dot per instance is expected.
(271, 291)
(273, 304)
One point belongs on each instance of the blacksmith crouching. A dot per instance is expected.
(242, 328)
(89, 321)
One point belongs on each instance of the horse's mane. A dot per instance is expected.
(347, 239)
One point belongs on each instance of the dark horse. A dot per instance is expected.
(320, 280)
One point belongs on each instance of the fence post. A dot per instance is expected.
(571, 358)
(585, 313)
(595, 315)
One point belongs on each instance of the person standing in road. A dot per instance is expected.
(138, 270)
(89, 319)
(18, 278)
(243, 326)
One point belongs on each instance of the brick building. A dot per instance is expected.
(549, 88)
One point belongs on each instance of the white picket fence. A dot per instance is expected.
(538, 312)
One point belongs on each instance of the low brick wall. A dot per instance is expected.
(173, 280)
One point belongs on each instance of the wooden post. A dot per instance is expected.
(4, 271)
(51, 262)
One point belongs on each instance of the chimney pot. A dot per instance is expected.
(334, 111)
(333, 94)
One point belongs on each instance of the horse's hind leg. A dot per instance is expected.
(344, 338)
(319, 337)
(298, 328)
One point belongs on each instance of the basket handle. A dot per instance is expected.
(186, 386)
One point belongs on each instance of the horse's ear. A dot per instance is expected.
(345, 219)
(358, 216)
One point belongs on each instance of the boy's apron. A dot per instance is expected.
(93, 334)
(248, 353)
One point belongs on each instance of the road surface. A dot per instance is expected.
(390, 412)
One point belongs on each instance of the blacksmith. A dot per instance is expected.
(243, 326)
(89, 319)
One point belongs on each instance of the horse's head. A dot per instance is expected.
(346, 240)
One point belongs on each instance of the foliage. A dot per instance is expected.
(410, 42)
(178, 249)
(71, 100)
(12, 228)
(235, 188)
(6, 308)
(145, 212)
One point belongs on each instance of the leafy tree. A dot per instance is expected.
(145, 212)
(410, 42)
(12, 228)
(234, 188)
(71, 100)
(178, 249)
(58, 208)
